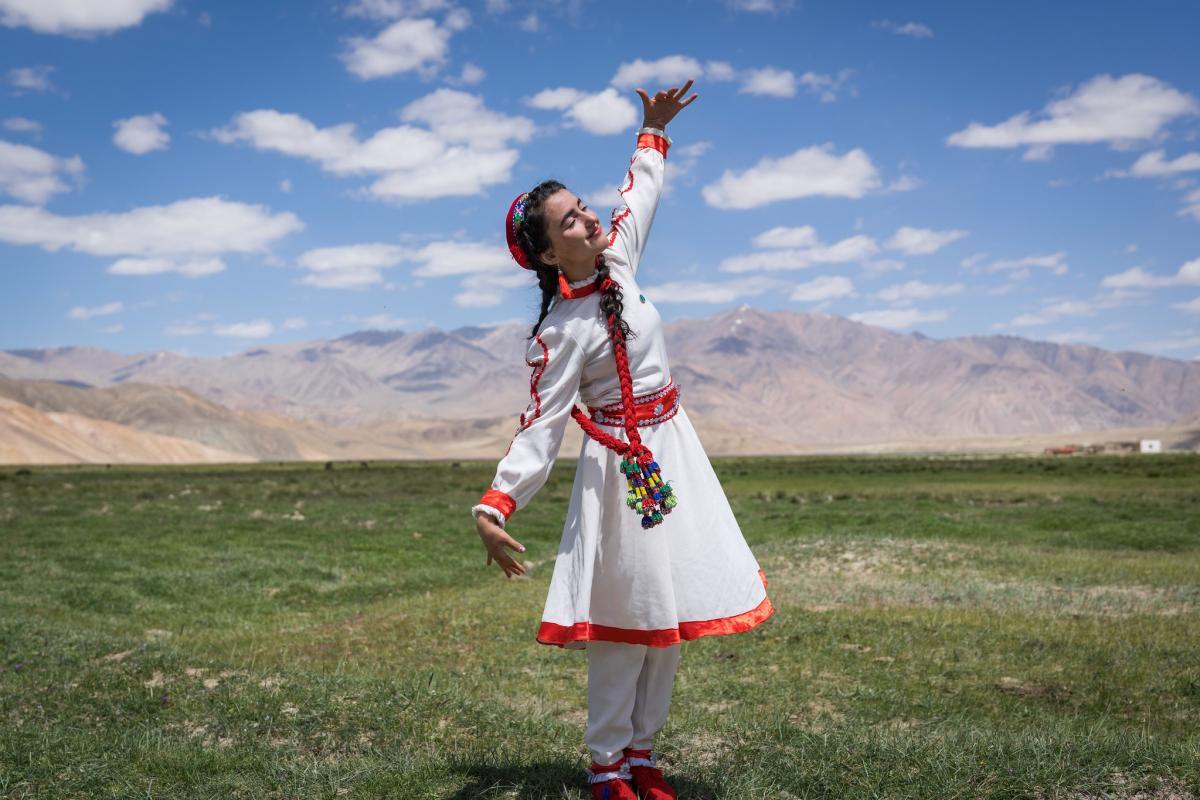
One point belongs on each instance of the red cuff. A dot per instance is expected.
(499, 501)
(654, 142)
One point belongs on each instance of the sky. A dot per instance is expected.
(207, 176)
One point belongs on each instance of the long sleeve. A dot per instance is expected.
(557, 362)
(640, 192)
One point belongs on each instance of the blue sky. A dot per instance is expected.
(205, 176)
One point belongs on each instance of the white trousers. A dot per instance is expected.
(629, 695)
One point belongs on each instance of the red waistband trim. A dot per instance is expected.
(560, 635)
(648, 409)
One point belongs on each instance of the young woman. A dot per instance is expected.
(651, 554)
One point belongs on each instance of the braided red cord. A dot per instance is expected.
(634, 448)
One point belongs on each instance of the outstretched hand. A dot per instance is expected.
(657, 111)
(495, 539)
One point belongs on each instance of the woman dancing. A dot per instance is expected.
(651, 554)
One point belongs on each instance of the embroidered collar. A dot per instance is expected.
(580, 288)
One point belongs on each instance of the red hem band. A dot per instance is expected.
(561, 635)
(499, 501)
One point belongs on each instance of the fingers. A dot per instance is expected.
(683, 90)
(645, 98)
(513, 543)
(688, 102)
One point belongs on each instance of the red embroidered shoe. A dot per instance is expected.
(647, 777)
(611, 782)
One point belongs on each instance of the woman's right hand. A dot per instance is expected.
(494, 541)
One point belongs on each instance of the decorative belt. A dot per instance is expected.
(648, 409)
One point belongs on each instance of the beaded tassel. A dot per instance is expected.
(649, 495)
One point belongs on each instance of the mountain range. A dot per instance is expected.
(753, 381)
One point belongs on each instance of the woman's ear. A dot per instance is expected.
(549, 258)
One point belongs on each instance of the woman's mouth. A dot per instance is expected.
(596, 232)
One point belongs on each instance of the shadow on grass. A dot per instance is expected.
(546, 780)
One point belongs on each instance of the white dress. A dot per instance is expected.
(693, 575)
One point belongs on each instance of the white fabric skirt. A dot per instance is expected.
(691, 576)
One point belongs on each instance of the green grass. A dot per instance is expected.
(945, 628)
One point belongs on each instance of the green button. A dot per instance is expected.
(642, 297)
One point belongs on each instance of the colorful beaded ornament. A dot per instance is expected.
(647, 493)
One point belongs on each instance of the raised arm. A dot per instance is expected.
(643, 184)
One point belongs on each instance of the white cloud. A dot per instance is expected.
(824, 287)
(769, 81)
(285, 185)
(34, 176)
(80, 312)
(1192, 207)
(854, 248)
(921, 241)
(906, 293)
(604, 113)
(1155, 165)
(192, 326)
(881, 265)
(531, 23)
(404, 46)
(808, 172)
(256, 329)
(916, 30)
(191, 268)
(141, 134)
(393, 9)
(195, 228)
(1118, 111)
(719, 71)
(1057, 309)
(441, 259)
(760, 6)
(351, 266)
(897, 318)
(1138, 278)
(1077, 336)
(22, 125)
(666, 71)
(1019, 268)
(471, 74)
(116, 327)
(75, 18)
(826, 87)
(712, 291)
(378, 321)
(31, 79)
(1191, 306)
(294, 324)
(462, 147)
(804, 236)
(601, 113)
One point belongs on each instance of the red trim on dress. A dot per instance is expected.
(500, 501)
(538, 369)
(654, 142)
(560, 635)
(568, 293)
(616, 221)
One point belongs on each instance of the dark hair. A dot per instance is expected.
(534, 240)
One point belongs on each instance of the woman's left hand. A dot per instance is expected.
(657, 111)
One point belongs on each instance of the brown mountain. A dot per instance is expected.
(756, 381)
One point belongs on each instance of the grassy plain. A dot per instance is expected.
(985, 628)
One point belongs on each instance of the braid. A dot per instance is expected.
(548, 283)
(533, 240)
(611, 301)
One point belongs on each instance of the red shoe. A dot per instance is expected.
(647, 777)
(611, 782)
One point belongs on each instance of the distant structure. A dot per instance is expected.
(1150, 446)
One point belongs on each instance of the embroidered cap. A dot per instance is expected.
(516, 216)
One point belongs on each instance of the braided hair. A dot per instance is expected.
(534, 239)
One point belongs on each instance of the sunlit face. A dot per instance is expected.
(576, 235)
